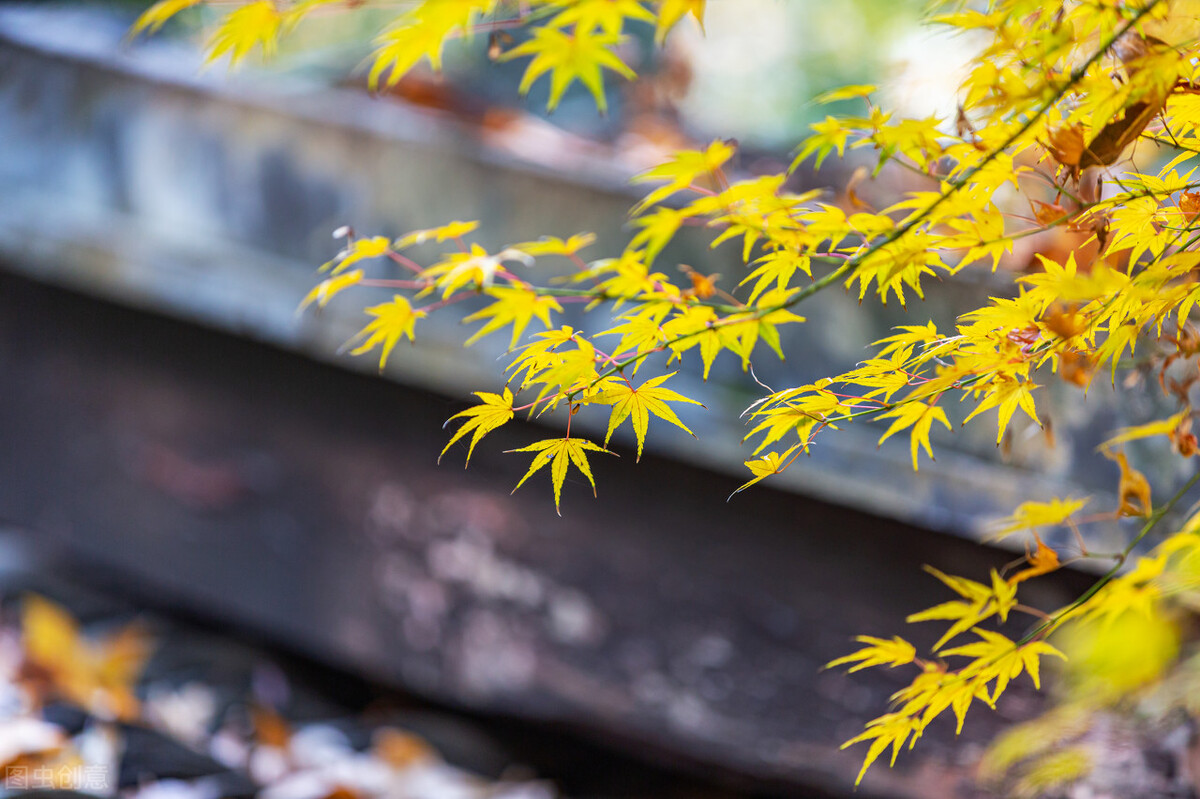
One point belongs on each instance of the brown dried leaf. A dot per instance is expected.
(1066, 323)
(1042, 560)
(1134, 488)
(1189, 204)
(703, 286)
(1183, 439)
(400, 749)
(852, 185)
(270, 729)
(1047, 214)
(1114, 137)
(1066, 145)
(1076, 369)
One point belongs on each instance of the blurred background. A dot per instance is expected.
(319, 609)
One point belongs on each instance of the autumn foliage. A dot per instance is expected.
(1057, 101)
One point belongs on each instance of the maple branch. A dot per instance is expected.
(405, 261)
(1108, 576)
(916, 219)
(1076, 75)
(387, 283)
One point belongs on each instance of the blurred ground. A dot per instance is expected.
(207, 692)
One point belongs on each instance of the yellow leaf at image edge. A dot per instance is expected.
(157, 15)
(671, 11)
(569, 58)
(98, 675)
(256, 24)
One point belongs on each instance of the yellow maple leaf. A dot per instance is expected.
(684, 168)
(776, 267)
(920, 417)
(474, 266)
(878, 652)
(828, 135)
(559, 369)
(909, 337)
(513, 306)
(638, 403)
(607, 16)
(358, 250)
(1030, 515)
(324, 291)
(569, 58)
(553, 245)
(934, 690)
(741, 336)
(157, 15)
(694, 326)
(1007, 395)
(446, 232)
(559, 452)
(845, 93)
(656, 231)
(671, 11)
(780, 420)
(96, 675)
(892, 729)
(253, 25)
(981, 603)
(767, 465)
(639, 334)
(1163, 427)
(628, 278)
(998, 658)
(422, 33)
(1111, 656)
(391, 321)
(495, 411)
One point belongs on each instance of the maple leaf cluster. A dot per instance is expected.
(1058, 98)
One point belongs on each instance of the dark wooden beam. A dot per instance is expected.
(304, 503)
